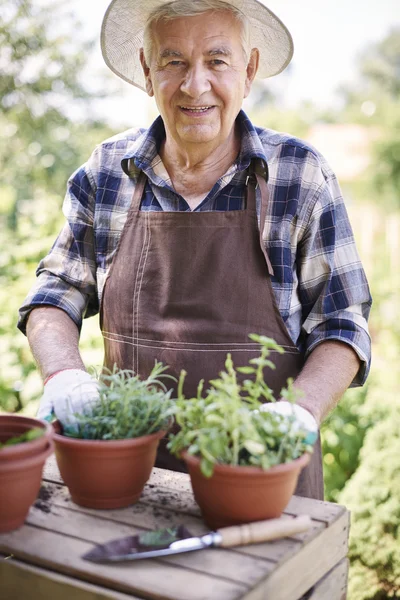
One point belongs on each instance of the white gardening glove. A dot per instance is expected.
(65, 393)
(304, 419)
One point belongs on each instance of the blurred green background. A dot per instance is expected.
(48, 126)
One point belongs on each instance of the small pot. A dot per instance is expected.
(20, 479)
(15, 425)
(235, 495)
(105, 473)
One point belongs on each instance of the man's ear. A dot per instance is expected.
(146, 71)
(251, 70)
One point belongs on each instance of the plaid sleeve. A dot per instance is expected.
(67, 275)
(333, 288)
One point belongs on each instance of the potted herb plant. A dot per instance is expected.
(25, 444)
(243, 462)
(107, 459)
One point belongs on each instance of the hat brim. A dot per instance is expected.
(124, 23)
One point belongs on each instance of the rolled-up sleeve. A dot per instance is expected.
(66, 277)
(333, 288)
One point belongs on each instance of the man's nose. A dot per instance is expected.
(196, 81)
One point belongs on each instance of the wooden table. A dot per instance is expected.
(41, 560)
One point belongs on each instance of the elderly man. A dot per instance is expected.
(191, 235)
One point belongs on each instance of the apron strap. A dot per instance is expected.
(258, 176)
(138, 192)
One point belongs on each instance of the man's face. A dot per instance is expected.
(199, 76)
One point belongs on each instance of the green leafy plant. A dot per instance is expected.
(226, 426)
(28, 436)
(129, 407)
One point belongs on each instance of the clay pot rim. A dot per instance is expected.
(23, 463)
(34, 421)
(110, 444)
(11, 452)
(220, 469)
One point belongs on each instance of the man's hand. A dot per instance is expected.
(68, 392)
(304, 419)
(54, 340)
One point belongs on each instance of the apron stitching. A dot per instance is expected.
(120, 335)
(135, 323)
(136, 211)
(147, 247)
(295, 351)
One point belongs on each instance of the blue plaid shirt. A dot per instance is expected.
(319, 283)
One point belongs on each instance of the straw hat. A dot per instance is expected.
(125, 20)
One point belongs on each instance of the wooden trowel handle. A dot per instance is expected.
(262, 531)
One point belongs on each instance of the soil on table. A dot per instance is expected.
(42, 502)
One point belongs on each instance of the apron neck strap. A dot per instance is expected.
(138, 192)
(258, 177)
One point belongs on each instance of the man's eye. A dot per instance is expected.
(218, 62)
(175, 63)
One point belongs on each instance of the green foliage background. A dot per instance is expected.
(40, 146)
(41, 77)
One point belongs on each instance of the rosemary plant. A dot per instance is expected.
(129, 407)
(226, 426)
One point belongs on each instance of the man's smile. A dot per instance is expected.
(196, 110)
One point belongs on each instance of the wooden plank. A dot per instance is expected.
(20, 581)
(146, 516)
(152, 580)
(173, 490)
(164, 488)
(181, 501)
(314, 561)
(227, 564)
(141, 514)
(333, 586)
(51, 471)
(175, 481)
(326, 512)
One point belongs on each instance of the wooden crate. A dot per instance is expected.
(43, 560)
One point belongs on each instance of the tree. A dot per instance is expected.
(39, 80)
(373, 100)
(380, 65)
(41, 67)
(381, 70)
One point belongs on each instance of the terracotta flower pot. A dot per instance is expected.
(105, 474)
(235, 495)
(20, 479)
(15, 425)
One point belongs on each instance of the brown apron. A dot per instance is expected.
(185, 288)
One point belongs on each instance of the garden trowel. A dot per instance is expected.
(175, 540)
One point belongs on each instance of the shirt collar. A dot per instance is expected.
(144, 152)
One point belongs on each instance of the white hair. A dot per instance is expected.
(177, 9)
